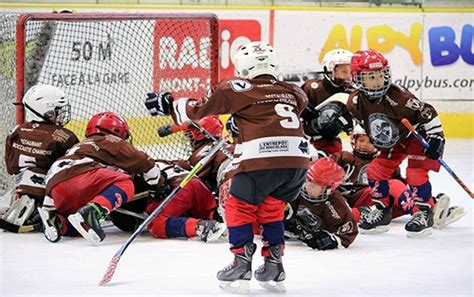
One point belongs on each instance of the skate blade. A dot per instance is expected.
(216, 236)
(50, 232)
(423, 233)
(455, 215)
(236, 287)
(275, 287)
(76, 221)
(376, 230)
(440, 212)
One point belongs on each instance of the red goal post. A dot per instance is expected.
(108, 62)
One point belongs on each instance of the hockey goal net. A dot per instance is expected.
(107, 62)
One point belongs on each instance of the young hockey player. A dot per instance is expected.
(355, 187)
(323, 126)
(93, 178)
(379, 106)
(356, 190)
(31, 148)
(271, 157)
(189, 213)
(320, 216)
(201, 145)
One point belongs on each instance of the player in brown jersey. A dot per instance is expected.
(356, 190)
(323, 126)
(270, 158)
(201, 144)
(379, 106)
(190, 213)
(94, 178)
(355, 187)
(320, 216)
(32, 147)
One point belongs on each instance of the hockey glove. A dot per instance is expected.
(232, 127)
(309, 113)
(436, 148)
(158, 104)
(331, 130)
(321, 240)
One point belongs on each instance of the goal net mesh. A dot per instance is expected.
(108, 62)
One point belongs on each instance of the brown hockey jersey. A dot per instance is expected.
(97, 152)
(382, 117)
(355, 180)
(333, 216)
(318, 90)
(30, 150)
(267, 114)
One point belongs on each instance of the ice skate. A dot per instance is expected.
(51, 225)
(86, 222)
(455, 213)
(210, 230)
(421, 223)
(377, 220)
(271, 274)
(440, 211)
(235, 278)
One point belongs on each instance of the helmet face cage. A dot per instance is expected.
(46, 103)
(361, 81)
(254, 59)
(363, 153)
(318, 199)
(331, 61)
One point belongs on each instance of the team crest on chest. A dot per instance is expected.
(383, 133)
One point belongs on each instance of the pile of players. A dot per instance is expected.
(266, 181)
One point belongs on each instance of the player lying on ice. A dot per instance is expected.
(189, 214)
(271, 157)
(356, 190)
(320, 216)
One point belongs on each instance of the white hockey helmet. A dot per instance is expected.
(46, 103)
(256, 58)
(331, 60)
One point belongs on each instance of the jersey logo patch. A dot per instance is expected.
(414, 104)
(383, 133)
(239, 85)
(327, 114)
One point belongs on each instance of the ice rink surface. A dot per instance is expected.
(387, 264)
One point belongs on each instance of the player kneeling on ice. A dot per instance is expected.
(93, 178)
(319, 216)
(270, 158)
(30, 150)
(379, 106)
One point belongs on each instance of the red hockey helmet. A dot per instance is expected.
(211, 124)
(107, 123)
(371, 73)
(325, 172)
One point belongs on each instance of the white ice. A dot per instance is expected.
(375, 265)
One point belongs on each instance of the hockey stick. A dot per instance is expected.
(425, 144)
(211, 138)
(169, 129)
(338, 97)
(116, 258)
